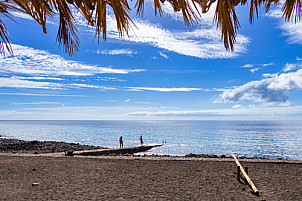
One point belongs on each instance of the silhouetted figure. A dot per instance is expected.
(121, 142)
(141, 139)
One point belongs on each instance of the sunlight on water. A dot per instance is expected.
(271, 139)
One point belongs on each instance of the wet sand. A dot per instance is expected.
(143, 178)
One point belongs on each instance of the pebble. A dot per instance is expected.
(35, 184)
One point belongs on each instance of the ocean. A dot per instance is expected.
(270, 139)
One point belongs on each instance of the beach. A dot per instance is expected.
(37, 170)
(143, 178)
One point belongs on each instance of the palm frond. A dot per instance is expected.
(94, 12)
(123, 21)
(140, 7)
(86, 9)
(100, 18)
(254, 6)
(157, 7)
(228, 22)
(175, 5)
(268, 4)
(4, 42)
(4, 35)
(205, 4)
(37, 9)
(292, 8)
(67, 36)
(189, 15)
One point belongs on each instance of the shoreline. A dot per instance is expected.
(11, 147)
(56, 176)
(8, 145)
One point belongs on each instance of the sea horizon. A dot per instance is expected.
(269, 139)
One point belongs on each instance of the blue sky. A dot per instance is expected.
(163, 70)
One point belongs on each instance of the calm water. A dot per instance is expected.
(271, 139)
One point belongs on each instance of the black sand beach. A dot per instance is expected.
(49, 177)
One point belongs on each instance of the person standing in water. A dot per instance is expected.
(121, 142)
(141, 139)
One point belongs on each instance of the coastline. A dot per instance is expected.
(55, 176)
(10, 146)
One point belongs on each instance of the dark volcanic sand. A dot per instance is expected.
(115, 178)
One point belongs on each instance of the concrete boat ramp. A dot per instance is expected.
(116, 151)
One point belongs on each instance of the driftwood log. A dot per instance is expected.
(247, 178)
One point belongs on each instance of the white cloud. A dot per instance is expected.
(268, 64)
(152, 113)
(40, 94)
(36, 103)
(206, 18)
(290, 29)
(237, 106)
(31, 61)
(20, 82)
(112, 101)
(293, 31)
(126, 52)
(254, 69)
(215, 89)
(237, 112)
(277, 13)
(268, 75)
(203, 42)
(290, 67)
(14, 82)
(272, 89)
(38, 78)
(143, 102)
(155, 113)
(75, 85)
(70, 113)
(111, 79)
(163, 55)
(127, 100)
(247, 66)
(181, 89)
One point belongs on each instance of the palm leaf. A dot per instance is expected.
(189, 15)
(38, 9)
(292, 8)
(175, 5)
(4, 35)
(254, 6)
(86, 8)
(268, 4)
(228, 22)
(4, 42)
(67, 33)
(140, 7)
(157, 7)
(100, 18)
(94, 12)
(123, 21)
